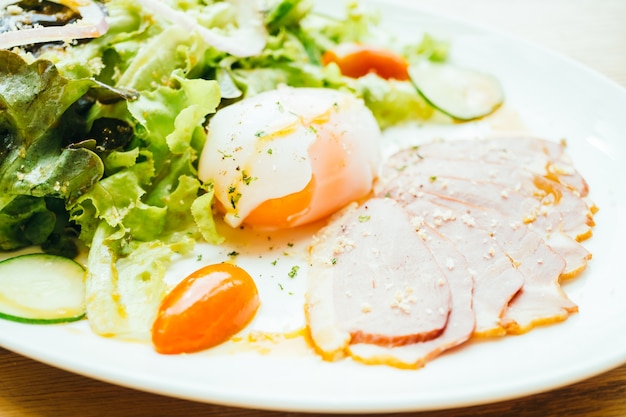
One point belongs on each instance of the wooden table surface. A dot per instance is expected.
(593, 32)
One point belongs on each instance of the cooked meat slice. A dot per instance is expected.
(518, 210)
(483, 205)
(460, 323)
(558, 164)
(575, 255)
(538, 196)
(513, 206)
(496, 280)
(538, 156)
(541, 299)
(373, 280)
(544, 189)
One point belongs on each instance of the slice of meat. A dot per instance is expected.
(485, 205)
(575, 255)
(558, 165)
(515, 207)
(373, 280)
(542, 188)
(518, 210)
(496, 280)
(541, 299)
(537, 156)
(460, 323)
(510, 185)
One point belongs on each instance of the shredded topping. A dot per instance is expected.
(248, 39)
(91, 25)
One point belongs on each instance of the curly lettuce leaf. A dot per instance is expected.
(138, 212)
(146, 211)
(392, 102)
(25, 221)
(124, 292)
(37, 124)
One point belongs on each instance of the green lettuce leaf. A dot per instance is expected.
(138, 217)
(125, 286)
(37, 161)
(392, 102)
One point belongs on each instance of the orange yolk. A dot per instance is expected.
(331, 178)
(277, 212)
(205, 309)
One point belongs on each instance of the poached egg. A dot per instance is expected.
(290, 156)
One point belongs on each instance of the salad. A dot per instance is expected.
(104, 116)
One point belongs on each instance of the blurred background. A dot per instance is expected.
(581, 29)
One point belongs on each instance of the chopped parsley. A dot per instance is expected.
(234, 199)
(246, 178)
(364, 218)
(294, 271)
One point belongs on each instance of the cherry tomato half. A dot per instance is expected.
(356, 60)
(205, 309)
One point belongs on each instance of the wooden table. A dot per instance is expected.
(590, 31)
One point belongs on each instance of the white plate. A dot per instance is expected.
(552, 97)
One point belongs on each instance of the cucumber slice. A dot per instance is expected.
(41, 289)
(461, 93)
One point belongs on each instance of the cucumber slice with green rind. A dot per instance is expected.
(42, 289)
(461, 93)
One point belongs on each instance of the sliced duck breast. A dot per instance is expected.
(544, 189)
(502, 186)
(411, 179)
(514, 207)
(541, 300)
(541, 157)
(373, 280)
(496, 280)
(460, 324)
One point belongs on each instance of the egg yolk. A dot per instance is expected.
(277, 212)
(205, 309)
(331, 177)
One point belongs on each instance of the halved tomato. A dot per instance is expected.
(205, 309)
(356, 60)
